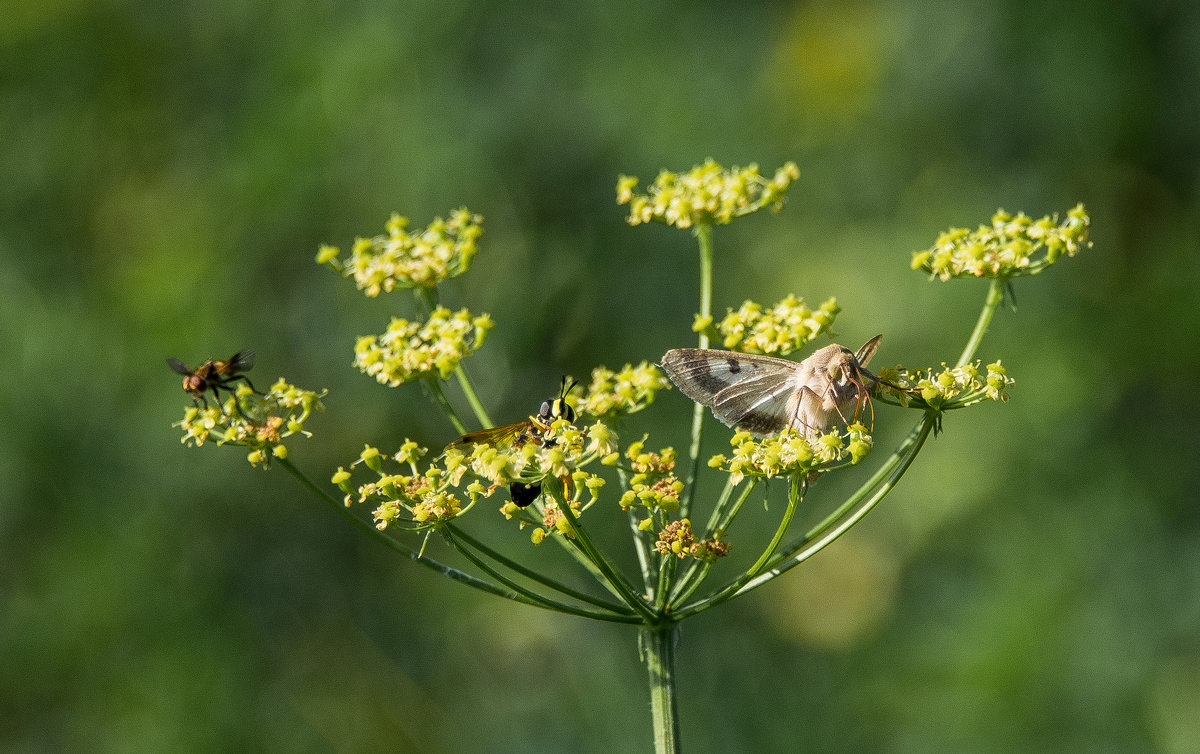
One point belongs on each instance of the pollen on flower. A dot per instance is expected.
(1011, 246)
(611, 394)
(781, 329)
(402, 259)
(653, 484)
(409, 350)
(678, 540)
(253, 420)
(707, 194)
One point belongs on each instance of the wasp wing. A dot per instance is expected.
(497, 437)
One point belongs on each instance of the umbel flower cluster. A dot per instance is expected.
(1011, 246)
(258, 422)
(779, 329)
(947, 388)
(563, 460)
(707, 194)
(409, 350)
(408, 260)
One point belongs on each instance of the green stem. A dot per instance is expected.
(611, 575)
(642, 552)
(719, 521)
(435, 387)
(399, 547)
(691, 582)
(735, 587)
(529, 573)
(666, 571)
(472, 398)
(809, 545)
(704, 238)
(657, 644)
(639, 540)
(427, 298)
(995, 295)
(539, 600)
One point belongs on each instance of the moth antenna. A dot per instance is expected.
(879, 381)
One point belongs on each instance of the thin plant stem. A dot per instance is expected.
(691, 582)
(995, 295)
(657, 645)
(665, 572)
(469, 541)
(403, 549)
(539, 600)
(639, 540)
(435, 387)
(717, 522)
(639, 548)
(472, 398)
(704, 238)
(611, 575)
(734, 587)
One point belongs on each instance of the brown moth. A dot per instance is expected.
(763, 395)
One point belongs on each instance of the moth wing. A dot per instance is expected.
(761, 404)
(746, 390)
(701, 373)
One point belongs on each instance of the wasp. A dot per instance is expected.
(214, 375)
(532, 430)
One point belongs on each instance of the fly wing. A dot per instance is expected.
(242, 361)
(178, 366)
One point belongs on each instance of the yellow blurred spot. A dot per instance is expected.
(829, 61)
(836, 598)
(1171, 704)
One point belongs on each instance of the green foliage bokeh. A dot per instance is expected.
(169, 170)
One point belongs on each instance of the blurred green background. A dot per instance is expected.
(166, 175)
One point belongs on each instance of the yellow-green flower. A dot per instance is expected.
(1012, 246)
(558, 452)
(781, 329)
(260, 422)
(678, 540)
(947, 388)
(408, 350)
(707, 194)
(611, 394)
(653, 484)
(789, 452)
(402, 259)
(412, 501)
